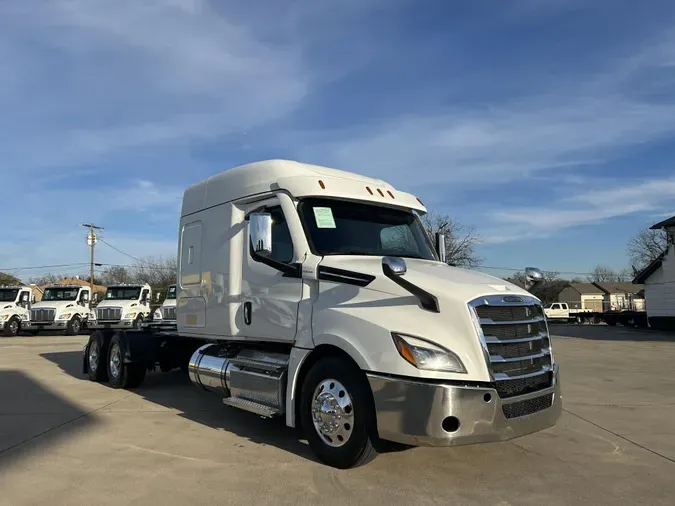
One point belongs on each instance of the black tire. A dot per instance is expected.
(12, 327)
(611, 323)
(96, 358)
(138, 321)
(121, 374)
(358, 448)
(74, 326)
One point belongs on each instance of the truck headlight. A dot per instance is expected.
(25, 317)
(64, 316)
(157, 315)
(129, 316)
(92, 316)
(4, 317)
(426, 355)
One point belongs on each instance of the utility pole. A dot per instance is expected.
(92, 239)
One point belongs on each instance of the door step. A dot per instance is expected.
(253, 407)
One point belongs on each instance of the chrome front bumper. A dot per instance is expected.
(413, 412)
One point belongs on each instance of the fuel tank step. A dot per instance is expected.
(253, 407)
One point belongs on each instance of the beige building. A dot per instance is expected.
(582, 296)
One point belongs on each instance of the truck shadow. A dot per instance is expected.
(609, 333)
(174, 390)
(34, 418)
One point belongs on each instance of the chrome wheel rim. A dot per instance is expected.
(76, 326)
(115, 360)
(93, 356)
(14, 327)
(333, 413)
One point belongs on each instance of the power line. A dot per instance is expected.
(34, 267)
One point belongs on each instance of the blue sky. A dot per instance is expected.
(546, 125)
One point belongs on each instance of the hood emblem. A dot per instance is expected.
(512, 298)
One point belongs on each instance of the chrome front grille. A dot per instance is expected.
(515, 338)
(109, 313)
(169, 313)
(42, 315)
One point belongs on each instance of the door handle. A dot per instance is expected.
(247, 313)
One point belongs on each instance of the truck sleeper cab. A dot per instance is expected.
(123, 307)
(15, 302)
(63, 308)
(316, 294)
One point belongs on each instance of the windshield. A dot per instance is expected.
(60, 294)
(8, 295)
(123, 293)
(336, 227)
(171, 294)
(548, 306)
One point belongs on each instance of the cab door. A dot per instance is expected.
(271, 291)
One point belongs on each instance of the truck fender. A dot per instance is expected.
(302, 359)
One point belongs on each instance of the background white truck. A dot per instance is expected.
(316, 295)
(63, 308)
(563, 312)
(166, 313)
(15, 302)
(122, 307)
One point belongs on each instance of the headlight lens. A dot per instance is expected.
(64, 316)
(92, 316)
(129, 316)
(158, 315)
(4, 317)
(25, 317)
(425, 355)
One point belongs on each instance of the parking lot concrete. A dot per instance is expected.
(65, 440)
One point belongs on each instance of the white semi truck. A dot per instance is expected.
(315, 295)
(166, 313)
(123, 307)
(63, 308)
(15, 304)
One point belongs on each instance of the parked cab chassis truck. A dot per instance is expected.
(563, 312)
(316, 295)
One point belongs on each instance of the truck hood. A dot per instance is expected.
(439, 279)
(124, 304)
(58, 305)
(11, 309)
(169, 303)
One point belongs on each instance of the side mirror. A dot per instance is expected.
(440, 247)
(85, 297)
(394, 266)
(261, 233)
(24, 298)
(95, 298)
(533, 277)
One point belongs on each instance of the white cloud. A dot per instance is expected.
(133, 74)
(586, 208)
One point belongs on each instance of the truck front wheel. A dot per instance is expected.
(74, 326)
(337, 413)
(12, 327)
(121, 374)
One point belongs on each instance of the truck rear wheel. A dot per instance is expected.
(95, 358)
(74, 326)
(337, 414)
(121, 374)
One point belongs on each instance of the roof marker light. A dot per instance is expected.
(418, 200)
(369, 190)
(323, 186)
(391, 194)
(380, 192)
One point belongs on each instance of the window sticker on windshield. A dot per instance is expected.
(324, 217)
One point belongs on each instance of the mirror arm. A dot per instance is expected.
(293, 270)
(427, 300)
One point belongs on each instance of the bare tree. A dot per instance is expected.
(9, 279)
(646, 246)
(158, 272)
(114, 275)
(602, 274)
(47, 279)
(460, 240)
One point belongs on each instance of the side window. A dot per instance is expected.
(144, 295)
(24, 298)
(563, 306)
(282, 250)
(556, 306)
(190, 256)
